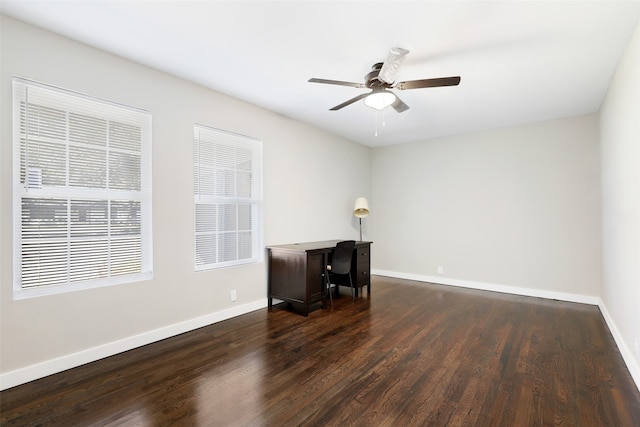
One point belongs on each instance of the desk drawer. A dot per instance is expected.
(361, 265)
(362, 274)
(362, 255)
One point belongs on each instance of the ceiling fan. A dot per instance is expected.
(381, 78)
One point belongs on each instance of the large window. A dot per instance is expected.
(82, 191)
(228, 198)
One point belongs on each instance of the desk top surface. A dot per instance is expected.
(314, 246)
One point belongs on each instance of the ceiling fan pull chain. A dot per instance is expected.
(376, 133)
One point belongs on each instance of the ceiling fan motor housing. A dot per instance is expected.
(371, 79)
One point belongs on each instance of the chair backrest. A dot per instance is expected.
(341, 260)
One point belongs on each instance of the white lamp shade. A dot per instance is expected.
(361, 208)
(380, 100)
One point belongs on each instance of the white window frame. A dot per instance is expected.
(29, 185)
(225, 179)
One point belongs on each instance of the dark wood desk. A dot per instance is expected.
(296, 271)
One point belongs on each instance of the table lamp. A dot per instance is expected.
(361, 210)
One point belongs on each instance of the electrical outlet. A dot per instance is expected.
(635, 346)
(234, 295)
(440, 269)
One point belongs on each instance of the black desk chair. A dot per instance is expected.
(340, 265)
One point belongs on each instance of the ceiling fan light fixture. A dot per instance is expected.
(380, 100)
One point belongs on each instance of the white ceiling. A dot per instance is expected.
(520, 61)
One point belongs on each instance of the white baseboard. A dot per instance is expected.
(627, 355)
(49, 367)
(540, 293)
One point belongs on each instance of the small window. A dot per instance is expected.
(227, 192)
(82, 191)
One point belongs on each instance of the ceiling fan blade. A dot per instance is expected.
(349, 102)
(399, 105)
(417, 84)
(337, 82)
(392, 64)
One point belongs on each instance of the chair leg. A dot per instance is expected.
(353, 295)
(326, 273)
(324, 293)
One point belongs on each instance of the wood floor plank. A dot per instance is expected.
(410, 354)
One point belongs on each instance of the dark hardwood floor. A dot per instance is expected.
(411, 354)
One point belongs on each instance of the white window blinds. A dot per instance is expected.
(82, 191)
(228, 198)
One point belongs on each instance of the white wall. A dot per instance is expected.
(301, 163)
(515, 209)
(620, 139)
